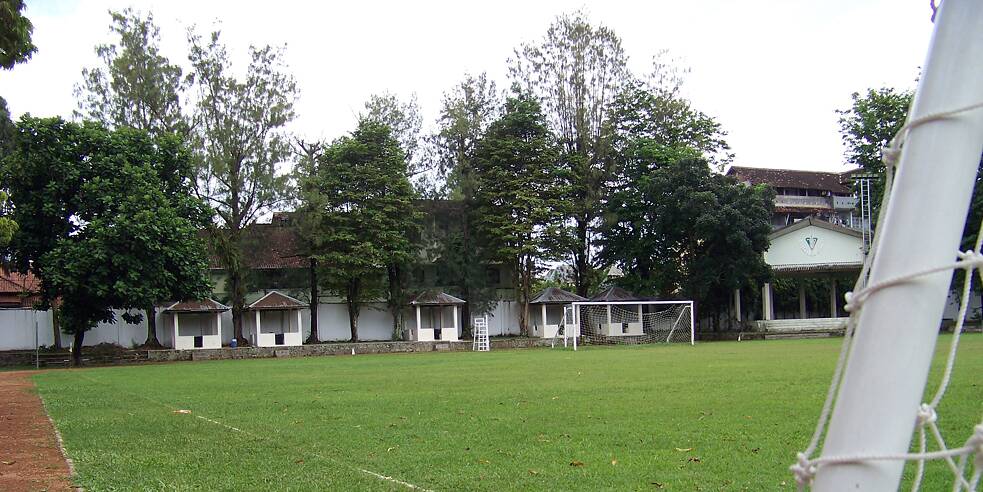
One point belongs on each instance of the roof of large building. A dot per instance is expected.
(553, 295)
(791, 178)
(275, 301)
(269, 246)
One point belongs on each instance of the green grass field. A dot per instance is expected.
(717, 416)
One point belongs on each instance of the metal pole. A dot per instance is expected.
(37, 351)
(922, 229)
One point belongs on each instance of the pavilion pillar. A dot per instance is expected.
(639, 314)
(609, 319)
(544, 320)
(454, 310)
(218, 326)
(832, 297)
(174, 340)
(737, 304)
(802, 300)
(258, 328)
(419, 324)
(767, 307)
(300, 326)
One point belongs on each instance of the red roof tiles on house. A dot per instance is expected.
(276, 301)
(205, 306)
(269, 247)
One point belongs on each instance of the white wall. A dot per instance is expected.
(830, 247)
(375, 323)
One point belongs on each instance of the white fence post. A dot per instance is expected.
(888, 366)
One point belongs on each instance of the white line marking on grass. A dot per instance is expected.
(262, 438)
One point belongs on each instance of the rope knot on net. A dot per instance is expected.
(804, 470)
(927, 415)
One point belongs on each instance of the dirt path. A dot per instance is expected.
(30, 459)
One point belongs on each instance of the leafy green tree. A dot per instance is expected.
(358, 216)
(139, 88)
(677, 229)
(308, 153)
(136, 86)
(238, 130)
(576, 71)
(96, 223)
(515, 197)
(15, 34)
(466, 112)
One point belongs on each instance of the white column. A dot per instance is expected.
(832, 297)
(737, 304)
(258, 328)
(218, 325)
(544, 320)
(802, 300)
(921, 230)
(608, 327)
(300, 326)
(454, 310)
(767, 312)
(419, 323)
(174, 316)
(639, 313)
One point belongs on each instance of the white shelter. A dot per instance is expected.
(813, 248)
(623, 318)
(197, 324)
(551, 302)
(278, 321)
(432, 323)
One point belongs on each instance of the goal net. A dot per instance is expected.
(631, 322)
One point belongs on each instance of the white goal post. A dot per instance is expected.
(630, 322)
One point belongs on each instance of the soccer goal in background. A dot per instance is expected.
(630, 322)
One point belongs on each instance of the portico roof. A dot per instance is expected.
(205, 306)
(435, 298)
(276, 301)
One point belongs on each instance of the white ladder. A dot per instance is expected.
(481, 343)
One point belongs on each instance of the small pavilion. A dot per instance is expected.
(625, 318)
(552, 302)
(432, 308)
(278, 321)
(197, 324)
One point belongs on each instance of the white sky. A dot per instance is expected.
(772, 72)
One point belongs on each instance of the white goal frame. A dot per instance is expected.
(687, 304)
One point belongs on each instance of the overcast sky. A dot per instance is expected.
(771, 72)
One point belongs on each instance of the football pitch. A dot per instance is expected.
(715, 416)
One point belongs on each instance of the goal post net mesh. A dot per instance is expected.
(632, 324)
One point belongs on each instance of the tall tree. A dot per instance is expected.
(136, 86)
(677, 229)
(576, 71)
(308, 153)
(15, 34)
(466, 112)
(515, 200)
(95, 223)
(359, 216)
(239, 132)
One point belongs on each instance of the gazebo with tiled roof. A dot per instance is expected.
(197, 324)
(552, 302)
(278, 321)
(436, 304)
(626, 316)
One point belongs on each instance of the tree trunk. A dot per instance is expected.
(238, 306)
(524, 295)
(315, 301)
(581, 259)
(56, 327)
(152, 340)
(396, 300)
(352, 297)
(518, 284)
(77, 348)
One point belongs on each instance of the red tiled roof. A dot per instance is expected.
(205, 306)
(268, 247)
(276, 301)
(790, 178)
(18, 283)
